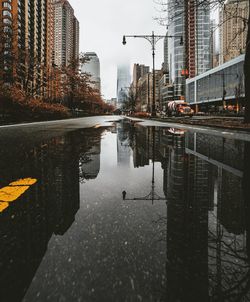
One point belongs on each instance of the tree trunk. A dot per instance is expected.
(246, 194)
(247, 74)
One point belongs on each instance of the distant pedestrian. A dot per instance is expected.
(124, 195)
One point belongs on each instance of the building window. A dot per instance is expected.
(7, 21)
(7, 29)
(6, 5)
(7, 13)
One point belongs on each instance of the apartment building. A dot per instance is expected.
(26, 43)
(66, 33)
(139, 70)
(233, 29)
(198, 37)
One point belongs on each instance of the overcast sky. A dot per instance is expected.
(102, 25)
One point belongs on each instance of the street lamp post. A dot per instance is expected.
(153, 39)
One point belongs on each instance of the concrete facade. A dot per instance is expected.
(26, 43)
(233, 31)
(66, 33)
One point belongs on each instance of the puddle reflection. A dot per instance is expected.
(50, 207)
(72, 237)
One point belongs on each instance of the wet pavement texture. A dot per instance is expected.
(182, 233)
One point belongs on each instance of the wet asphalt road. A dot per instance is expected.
(62, 126)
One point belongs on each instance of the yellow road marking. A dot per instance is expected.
(24, 182)
(3, 206)
(13, 191)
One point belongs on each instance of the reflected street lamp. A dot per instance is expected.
(152, 39)
(152, 194)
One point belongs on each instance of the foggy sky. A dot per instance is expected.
(102, 25)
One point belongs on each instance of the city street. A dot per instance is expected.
(125, 151)
(54, 128)
(107, 207)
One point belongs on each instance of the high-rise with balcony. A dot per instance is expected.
(66, 33)
(76, 38)
(190, 20)
(25, 48)
(198, 37)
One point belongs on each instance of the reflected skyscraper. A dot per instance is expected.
(205, 220)
(227, 158)
(141, 147)
(90, 167)
(48, 208)
(192, 245)
(123, 144)
(187, 225)
(231, 204)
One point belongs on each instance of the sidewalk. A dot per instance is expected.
(233, 123)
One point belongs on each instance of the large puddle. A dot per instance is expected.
(181, 233)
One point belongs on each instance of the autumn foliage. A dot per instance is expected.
(15, 105)
(67, 91)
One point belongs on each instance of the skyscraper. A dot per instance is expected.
(76, 38)
(165, 52)
(165, 88)
(139, 70)
(198, 37)
(214, 49)
(176, 52)
(190, 20)
(25, 43)
(123, 82)
(66, 33)
(233, 33)
(202, 36)
(92, 67)
(144, 91)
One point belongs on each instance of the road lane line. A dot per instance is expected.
(13, 191)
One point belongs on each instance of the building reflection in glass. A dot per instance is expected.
(48, 208)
